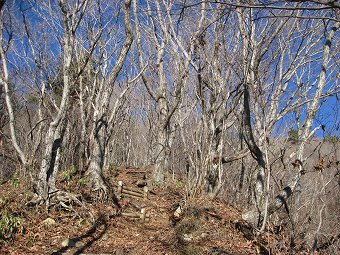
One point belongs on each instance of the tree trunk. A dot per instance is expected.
(50, 162)
(255, 216)
(98, 149)
(4, 79)
(54, 138)
(256, 153)
(162, 146)
(213, 175)
(103, 126)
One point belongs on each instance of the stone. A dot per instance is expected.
(105, 237)
(187, 237)
(68, 243)
(80, 244)
(204, 235)
(119, 251)
(141, 183)
(178, 212)
(49, 222)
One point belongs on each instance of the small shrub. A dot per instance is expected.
(9, 224)
(332, 139)
(293, 135)
(178, 183)
(14, 182)
(3, 201)
(82, 181)
(68, 173)
(113, 170)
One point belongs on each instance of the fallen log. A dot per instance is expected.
(131, 193)
(143, 216)
(123, 190)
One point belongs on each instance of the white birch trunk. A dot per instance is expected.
(4, 80)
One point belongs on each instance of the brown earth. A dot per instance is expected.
(203, 226)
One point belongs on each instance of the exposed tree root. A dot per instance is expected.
(57, 199)
(101, 193)
(65, 201)
(105, 194)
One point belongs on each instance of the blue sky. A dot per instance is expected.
(328, 114)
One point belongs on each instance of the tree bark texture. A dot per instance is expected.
(4, 80)
(102, 122)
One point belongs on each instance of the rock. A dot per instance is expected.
(104, 237)
(80, 244)
(141, 183)
(49, 222)
(178, 212)
(119, 251)
(56, 240)
(68, 243)
(204, 235)
(187, 237)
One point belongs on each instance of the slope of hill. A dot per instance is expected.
(177, 224)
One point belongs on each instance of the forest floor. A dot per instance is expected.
(201, 226)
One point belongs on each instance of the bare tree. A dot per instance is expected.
(4, 80)
(72, 16)
(102, 123)
(306, 131)
(256, 133)
(166, 95)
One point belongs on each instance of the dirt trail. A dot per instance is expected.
(201, 227)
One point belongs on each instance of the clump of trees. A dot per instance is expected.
(207, 91)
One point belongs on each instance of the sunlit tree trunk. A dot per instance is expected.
(97, 160)
(162, 148)
(305, 133)
(104, 122)
(54, 136)
(4, 80)
(256, 215)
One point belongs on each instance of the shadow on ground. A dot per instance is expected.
(97, 231)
